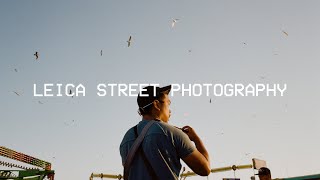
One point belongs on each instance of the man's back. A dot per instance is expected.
(163, 146)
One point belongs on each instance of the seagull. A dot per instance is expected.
(70, 123)
(37, 55)
(101, 52)
(70, 92)
(174, 22)
(16, 93)
(220, 133)
(129, 41)
(285, 33)
(262, 77)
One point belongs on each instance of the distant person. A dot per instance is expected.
(164, 145)
(264, 173)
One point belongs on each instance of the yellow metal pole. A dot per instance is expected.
(222, 169)
(101, 175)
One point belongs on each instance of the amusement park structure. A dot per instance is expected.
(42, 171)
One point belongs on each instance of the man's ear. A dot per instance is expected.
(156, 104)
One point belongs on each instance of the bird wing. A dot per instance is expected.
(285, 33)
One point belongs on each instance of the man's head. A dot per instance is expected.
(154, 102)
(264, 173)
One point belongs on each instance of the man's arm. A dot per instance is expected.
(198, 160)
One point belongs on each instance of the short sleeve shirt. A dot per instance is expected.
(164, 145)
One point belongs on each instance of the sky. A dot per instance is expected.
(212, 42)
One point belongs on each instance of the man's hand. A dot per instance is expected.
(190, 132)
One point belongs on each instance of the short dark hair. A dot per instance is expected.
(264, 171)
(147, 97)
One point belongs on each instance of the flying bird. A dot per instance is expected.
(40, 102)
(70, 92)
(16, 93)
(285, 33)
(37, 55)
(70, 123)
(174, 22)
(15, 70)
(253, 115)
(262, 77)
(101, 52)
(129, 41)
(210, 100)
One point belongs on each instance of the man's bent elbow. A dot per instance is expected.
(205, 171)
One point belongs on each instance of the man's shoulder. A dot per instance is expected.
(129, 136)
(158, 128)
(165, 129)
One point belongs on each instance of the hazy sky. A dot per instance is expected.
(213, 42)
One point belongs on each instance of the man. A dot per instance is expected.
(164, 145)
(264, 173)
